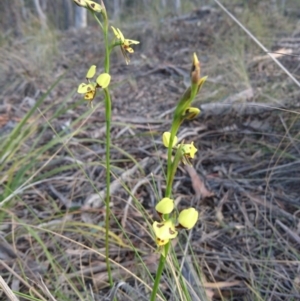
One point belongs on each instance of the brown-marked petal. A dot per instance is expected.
(188, 218)
(94, 6)
(103, 80)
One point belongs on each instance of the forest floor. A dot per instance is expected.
(244, 180)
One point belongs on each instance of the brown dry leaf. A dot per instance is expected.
(199, 187)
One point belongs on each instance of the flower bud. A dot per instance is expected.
(103, 11)
(195, 70)
(191, 113)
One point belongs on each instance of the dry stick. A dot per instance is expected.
(9, 293)
(272, 56)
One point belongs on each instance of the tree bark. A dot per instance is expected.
(42, 16)
(80, 17)
(68, 14)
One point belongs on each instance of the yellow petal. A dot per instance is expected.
(165, 230)
(189, 150)
(161, 242)
(128, 49)
(81, 3)
(91, 72)
(129, 42)
(90, 95)
(188, 218)
(165, 206)
(84, 88)
(103, 80)
(166, 139)
(94, 6)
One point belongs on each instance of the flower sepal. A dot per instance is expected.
(166, 139)
(188, 218)
(165, 206)
(103, 80)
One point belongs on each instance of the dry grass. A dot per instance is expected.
(52, 174)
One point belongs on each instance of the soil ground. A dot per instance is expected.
(244, 180)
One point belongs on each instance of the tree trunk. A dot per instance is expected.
(116, 13)
(68, 14)
(42, 16)
(178, 6)
(80, 17)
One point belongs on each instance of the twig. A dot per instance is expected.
(9, 293)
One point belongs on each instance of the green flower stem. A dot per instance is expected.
(107, 146)
(171, 170)
(170, 178)
(170, 164)
(107, 199)
(159, 271)
(183, 104)
(98, 21)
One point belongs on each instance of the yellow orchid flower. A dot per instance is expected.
(188, 218)
(189, 150)
(89, 90)
(89, 4)
(166, 139)
(125, 43)
(165, 206)
(164, 231)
